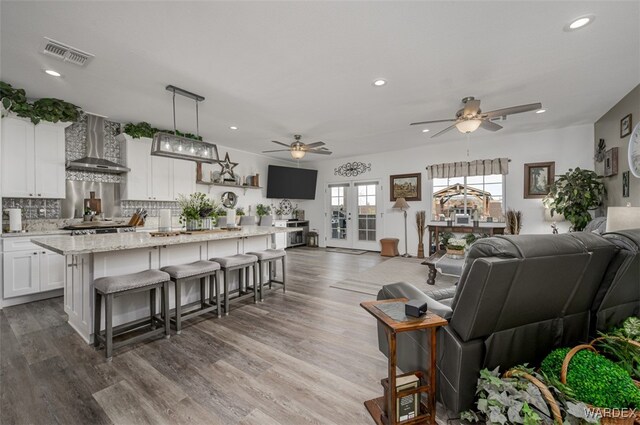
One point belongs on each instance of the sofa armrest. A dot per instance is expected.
(442, 293)
(407, 290)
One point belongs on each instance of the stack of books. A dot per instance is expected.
(407, 407)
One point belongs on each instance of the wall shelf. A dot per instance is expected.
(236, 186)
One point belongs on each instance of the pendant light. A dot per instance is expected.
(179, 147)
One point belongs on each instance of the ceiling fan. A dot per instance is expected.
(470, 117)
(299, 149)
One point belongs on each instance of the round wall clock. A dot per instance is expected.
(634, 151)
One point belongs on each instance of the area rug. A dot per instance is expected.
(346, 251)
(397, 269)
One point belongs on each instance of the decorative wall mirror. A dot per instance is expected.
(229, 199)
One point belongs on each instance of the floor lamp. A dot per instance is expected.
(401, 204)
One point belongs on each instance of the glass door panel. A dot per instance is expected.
(339, 215)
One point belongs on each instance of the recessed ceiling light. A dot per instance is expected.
(580, 22)
(425, 130)
(53, 73)
(379, 82)
(233, 127)
(541, 111)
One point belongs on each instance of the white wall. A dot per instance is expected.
(248, 164)
(569, 147)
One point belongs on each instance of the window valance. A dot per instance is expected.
(480, 167)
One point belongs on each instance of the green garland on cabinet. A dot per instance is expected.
(46, 109)
(144, 129)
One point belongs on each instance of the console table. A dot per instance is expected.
(435, 228)
(383, 409)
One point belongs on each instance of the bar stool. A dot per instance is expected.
(116, 286)
(270, 257)
(242, 263)
(203, 270)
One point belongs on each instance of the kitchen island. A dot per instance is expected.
(89, 257)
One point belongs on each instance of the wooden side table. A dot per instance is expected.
(383, 409)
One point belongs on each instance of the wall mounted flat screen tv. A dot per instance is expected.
(291, 183)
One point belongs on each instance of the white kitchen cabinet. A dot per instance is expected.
(20, 273)
(33, 159)
(161, 179)
(184, 178)
(52, 267)
(155, 178)
(29, 269)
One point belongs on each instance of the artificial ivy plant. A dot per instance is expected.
(46, 109)
(575, 193)
(144, 129)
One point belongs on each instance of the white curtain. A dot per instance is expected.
(481, 167)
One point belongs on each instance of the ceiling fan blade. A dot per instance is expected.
(490, 125)
(280, 143)
(321, 152)
(512, 110)
(471, 107)
(451, 127)
(315, 145)
(278, 150)
(431, 122)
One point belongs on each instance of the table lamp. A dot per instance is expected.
(623, 218)
(402, 205)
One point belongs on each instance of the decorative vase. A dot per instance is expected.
(194, 225)
(421, 250)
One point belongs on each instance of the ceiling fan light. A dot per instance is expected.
(468, 126)
(297, 154)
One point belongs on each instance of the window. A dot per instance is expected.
(483, 195)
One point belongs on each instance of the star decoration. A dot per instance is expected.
(227, 166)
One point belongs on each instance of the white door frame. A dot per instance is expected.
(351, 201)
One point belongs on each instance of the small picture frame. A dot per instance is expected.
(611, 162)
(538, 178)
(407, 186)
(625, 126)
(625, 184)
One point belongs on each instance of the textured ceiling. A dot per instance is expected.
(275, 69)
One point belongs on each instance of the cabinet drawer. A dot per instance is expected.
(19, 244)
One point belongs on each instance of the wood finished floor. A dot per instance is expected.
(305, 357)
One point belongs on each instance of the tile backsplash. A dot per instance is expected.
(34, 208)
(152, 207)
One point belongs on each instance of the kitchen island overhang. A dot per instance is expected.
(90, 257)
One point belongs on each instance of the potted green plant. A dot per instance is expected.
(455, 248)
(622, 345)
(46, 109)
(263, 210)
(575, 193)
(198, 211)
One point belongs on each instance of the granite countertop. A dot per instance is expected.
(28, 234)
(86, 244)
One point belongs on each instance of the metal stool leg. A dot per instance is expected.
(256, 282)
(165, 309)
(109, 326)
(178, 306)
(284, 274)
(226, 292)
(261, 275)
(97, 317)
(203, 286)
(152, 307)
(218, 303)
(271, 273)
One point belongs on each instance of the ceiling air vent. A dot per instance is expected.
(65, 52)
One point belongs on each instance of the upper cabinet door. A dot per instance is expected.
(138, 180)
(161, 178)
(18, 173)
(50, 161)
(184, 178)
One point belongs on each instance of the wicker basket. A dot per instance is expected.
(606, 417)
(544, 390)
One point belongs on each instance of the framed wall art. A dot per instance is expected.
(538, 177)
(407, 186)
(611, 162)
(625, 184)
(625, 126)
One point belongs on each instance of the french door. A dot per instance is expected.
(354, 214)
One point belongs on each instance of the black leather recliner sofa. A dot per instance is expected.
(518, 298)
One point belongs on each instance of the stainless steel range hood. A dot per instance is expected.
(95, 160)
